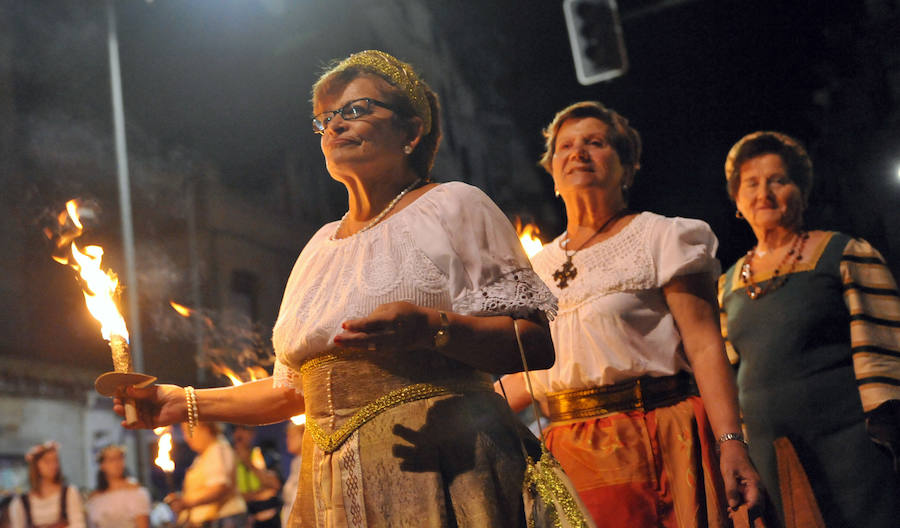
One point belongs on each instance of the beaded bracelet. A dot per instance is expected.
(193, 416)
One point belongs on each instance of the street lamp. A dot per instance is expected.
(131, 279)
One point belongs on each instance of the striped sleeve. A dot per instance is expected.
(871, 295)
(733, 357)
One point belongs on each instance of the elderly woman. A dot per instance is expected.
(49, 502)
(392, 321)
(118, 501)
(812, 322)
(637, 325)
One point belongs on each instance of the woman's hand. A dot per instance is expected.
(742, 482)
(157, 405)
(175, 502)
(397, 326)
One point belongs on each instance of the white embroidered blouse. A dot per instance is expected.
(451, 249)
(118, 508)
(613, 323)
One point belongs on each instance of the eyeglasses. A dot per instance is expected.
(352, 110)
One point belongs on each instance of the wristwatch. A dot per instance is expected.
(442, 336)
(732, 436)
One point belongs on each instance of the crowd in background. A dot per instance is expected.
(236, 483)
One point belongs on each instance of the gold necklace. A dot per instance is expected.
(754, 291)
(568, 271)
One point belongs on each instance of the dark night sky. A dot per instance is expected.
(225, 78)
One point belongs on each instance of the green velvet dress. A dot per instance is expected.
(796, 379)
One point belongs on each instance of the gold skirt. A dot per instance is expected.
(406, 439)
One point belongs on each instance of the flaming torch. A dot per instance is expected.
(99, 289)
(528, 237)
(164, 455)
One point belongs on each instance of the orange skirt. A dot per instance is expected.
(644, 469)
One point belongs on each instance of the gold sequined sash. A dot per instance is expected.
(420, 391)
(645, 394)
(352, 388)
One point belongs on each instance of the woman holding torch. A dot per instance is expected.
(392, 321)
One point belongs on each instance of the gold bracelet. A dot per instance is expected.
(193, 415)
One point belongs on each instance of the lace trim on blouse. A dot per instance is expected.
(618, 264)
(285, 376)
(518, 293)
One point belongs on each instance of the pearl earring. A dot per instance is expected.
(407, 149)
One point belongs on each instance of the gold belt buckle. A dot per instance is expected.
(638, 395)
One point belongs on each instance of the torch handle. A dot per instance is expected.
(131, 416)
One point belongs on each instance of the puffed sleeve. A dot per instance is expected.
(470, 239)
(684, 246)
(873, 301)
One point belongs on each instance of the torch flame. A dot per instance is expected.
(230, 374)
(99, 290)
(528, 237)
(163, 456)
(182, 310)
(257, 459)
(257, 373)
(72, 209)
(99, 286)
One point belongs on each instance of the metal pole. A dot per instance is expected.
(134, 319)
(194, 265)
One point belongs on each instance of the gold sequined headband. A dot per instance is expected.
(398, 73)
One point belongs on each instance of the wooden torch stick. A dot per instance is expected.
(122, 363)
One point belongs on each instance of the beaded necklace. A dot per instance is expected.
(754, 291)
(381, 215)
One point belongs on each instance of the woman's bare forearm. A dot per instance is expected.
(691, 300)
(254, 403)
(489, 343)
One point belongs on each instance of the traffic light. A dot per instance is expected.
(596, 38)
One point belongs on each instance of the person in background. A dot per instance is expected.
(118, 501)
(49, 501)
(636, 335)
(294, 444)
(258, 485)
(812, 319)
(209, 496)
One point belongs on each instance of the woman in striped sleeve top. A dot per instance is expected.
(812, 320)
